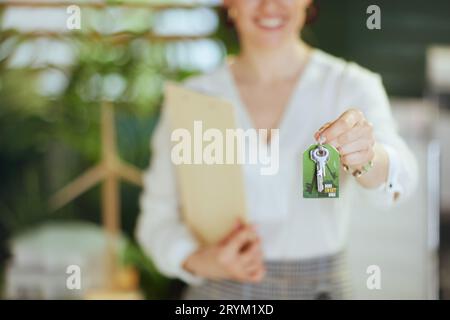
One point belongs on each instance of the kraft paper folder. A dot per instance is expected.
(212, 196)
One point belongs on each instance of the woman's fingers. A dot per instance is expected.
(241, 254)
(237, 257)
(356, 146)
(255, 272)
(257, 275)
(358, 132)
(321, 129)
(251, 262)
(238, 226)
(251, 272)
(230, 250)
(357, 159)
(353, 136)
(344, 123)
(252, 255)
(242, 238)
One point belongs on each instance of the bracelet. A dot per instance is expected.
(359, 172)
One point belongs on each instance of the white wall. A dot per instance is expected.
(401, 240)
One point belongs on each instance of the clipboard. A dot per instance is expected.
(212, 196)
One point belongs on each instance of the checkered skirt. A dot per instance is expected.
(315, 278)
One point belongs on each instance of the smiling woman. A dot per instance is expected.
(297, 248)
(266, 23)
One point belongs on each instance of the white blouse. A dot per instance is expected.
(290, 226)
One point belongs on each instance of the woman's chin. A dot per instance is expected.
(270, 41)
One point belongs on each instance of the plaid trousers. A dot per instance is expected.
(316, 278)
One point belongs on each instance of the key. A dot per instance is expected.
(320, 156)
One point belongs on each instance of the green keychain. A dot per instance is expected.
(321, 165)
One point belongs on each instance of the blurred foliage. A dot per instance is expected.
(4, 253)
(24, 133)
(47, 140)
(148, 273)
(128, 74)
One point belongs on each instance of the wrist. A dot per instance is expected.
(377, 175)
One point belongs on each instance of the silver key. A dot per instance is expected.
(320, 156)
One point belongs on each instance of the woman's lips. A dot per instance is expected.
(273, 23)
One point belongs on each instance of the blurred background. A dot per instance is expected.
(74, 102)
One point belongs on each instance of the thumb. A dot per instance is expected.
(322, 129)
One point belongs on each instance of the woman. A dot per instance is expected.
(294, 248)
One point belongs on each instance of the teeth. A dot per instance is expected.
(270, 22)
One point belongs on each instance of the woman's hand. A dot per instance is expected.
(238, 257)
(352, 135)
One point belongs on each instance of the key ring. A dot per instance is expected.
(321, 141)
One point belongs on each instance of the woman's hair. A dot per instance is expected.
(312, 13)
